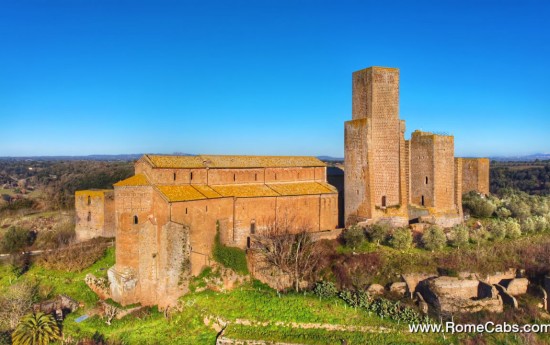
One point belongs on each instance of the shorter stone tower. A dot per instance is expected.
(95, 214)
(475, 172)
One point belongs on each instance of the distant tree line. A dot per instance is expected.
(530, 177)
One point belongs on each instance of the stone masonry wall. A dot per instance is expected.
(475, 175)
(94, 211)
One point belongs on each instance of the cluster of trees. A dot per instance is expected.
(530, 177)
(58, 180)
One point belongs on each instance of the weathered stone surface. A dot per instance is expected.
(399, 288)
(500, 277)
(454, 287)
(507, 298)
(475, 175)
(517, 286)
(412, 280)
(100, 286)
(375, 289)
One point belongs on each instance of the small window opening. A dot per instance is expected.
(248, 242)
(234, 177)
(191, 176)
(426, 179)
(174, 176)
(253, 227)
(206, 208)
(275, 176)
(136, 220)
(384, 201)
(89, 200)
(186, 210)
(89, 216)
(255, 177)
(422, 200)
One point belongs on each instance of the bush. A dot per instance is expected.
(513, 229)
(519, 208)
(16, 239)
(434, 238)
(479, 236)
(230, 257)
(74, 258)
(478, 205)
(503, 212)
(460, 236)
(354, 237)
(325, 289)
(378, 232)
(401, 238)
(497, 230)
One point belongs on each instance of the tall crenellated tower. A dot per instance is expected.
(376, 163)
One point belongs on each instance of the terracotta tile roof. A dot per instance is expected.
(136, 180)
(165, 161)
(180, 193)
(261, 161)
(93, 192)
(207, 191)
(216, 161)
(303, 188)
(245, 190)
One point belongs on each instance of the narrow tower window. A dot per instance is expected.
(206, 208)
(191, 176)
(89, 200)
(384, 201)
(89, 216)
(426, 179)
(422, 200)
(174, 176)
(186, 210)
(234, 177)
(136, 220)
(255, 177)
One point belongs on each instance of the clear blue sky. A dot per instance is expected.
(266, 77)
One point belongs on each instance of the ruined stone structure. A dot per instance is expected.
(388, 178)
(95, 210)
(168, 213)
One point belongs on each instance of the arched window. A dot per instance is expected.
(136, 220)
(384, 201)
(89, 200)
(89, 216)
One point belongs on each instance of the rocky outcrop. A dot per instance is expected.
(517, 286)
(399, 288)
(375, 289)
(451, 295)
(100, 286)
(413, 279)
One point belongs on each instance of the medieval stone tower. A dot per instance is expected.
(376, 162)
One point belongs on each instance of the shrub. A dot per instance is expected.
(479, 236)
(401, 238)
(478, 205)
(356, 298)
(503, 212)
(378, 232)
(434, 238)
(460, 236)
(230, 257)
(16, 239)
(354, 237)
(513, 229)
(519, 208)
(497, 230)
(74, 258)
(325, 289)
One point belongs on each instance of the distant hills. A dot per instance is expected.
(135, 156)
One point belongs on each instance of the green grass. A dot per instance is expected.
(61, 282)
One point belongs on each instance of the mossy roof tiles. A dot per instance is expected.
(181, 193)
(93, 192)
(245, 191)
(217, 161)
(303, 188)
(136, 180)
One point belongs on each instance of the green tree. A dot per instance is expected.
(36, 329)
(15, 240)
(460, 235)
(401, 238)
(434, 238)
(354, 237)
(513, 229)
(497, 229)
(378, 232)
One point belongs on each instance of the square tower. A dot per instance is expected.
(375, 181)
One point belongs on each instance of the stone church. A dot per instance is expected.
(165, 217)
